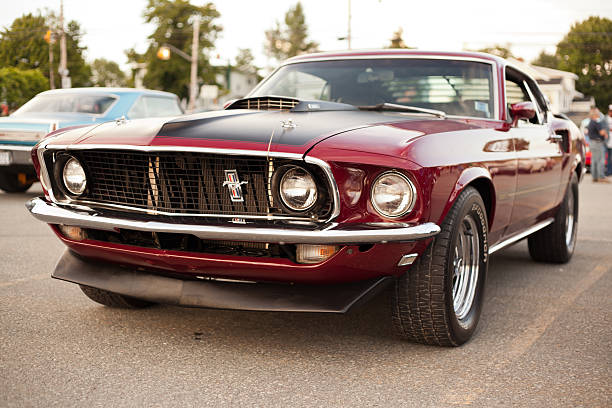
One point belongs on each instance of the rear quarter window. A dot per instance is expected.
(154, 106)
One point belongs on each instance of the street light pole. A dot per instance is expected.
(63, 65)
(348, 37)
(195, 46)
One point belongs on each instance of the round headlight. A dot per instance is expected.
(298, 189)
(74, 177)
(393, 195)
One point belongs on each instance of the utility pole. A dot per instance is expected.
(51, 73)
(348, 37)
(195, 47)
(63, 65)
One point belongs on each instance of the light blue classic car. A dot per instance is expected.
(60, 108)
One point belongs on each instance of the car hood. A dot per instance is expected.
(274, 131)
(286, 132)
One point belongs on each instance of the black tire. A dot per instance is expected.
(112, 299)
(423, 298)
(556, 242)
(10, 182)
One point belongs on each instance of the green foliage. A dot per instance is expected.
(23, 46)
(397, 41)
(80, 71)
(173, 23)
(245, 61)
(499, 50)
(586, 50)
(107, 73)
(17, 86)
(547, 60)
(290, 39)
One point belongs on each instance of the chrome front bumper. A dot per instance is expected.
(19, 154)
(331, 233)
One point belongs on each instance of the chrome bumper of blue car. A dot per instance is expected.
(14, 154)
(330, 233)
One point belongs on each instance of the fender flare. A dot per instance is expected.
(474, 175)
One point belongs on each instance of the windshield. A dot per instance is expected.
(462, 88)
(92, 104)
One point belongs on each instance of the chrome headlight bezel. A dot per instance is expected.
(409, 187)
(313, 198)
(65, 183)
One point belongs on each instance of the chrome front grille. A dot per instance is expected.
(185, 183)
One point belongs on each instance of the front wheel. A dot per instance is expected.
(556, 242)
(14, 182)
(438, 301)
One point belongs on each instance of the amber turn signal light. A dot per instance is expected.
(308, 253)
(73, 233)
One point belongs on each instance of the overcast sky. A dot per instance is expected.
(529, 26)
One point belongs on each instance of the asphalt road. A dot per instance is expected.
(544, 339)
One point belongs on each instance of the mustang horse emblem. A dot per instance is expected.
(234, 185)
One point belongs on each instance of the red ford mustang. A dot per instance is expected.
(339, 175)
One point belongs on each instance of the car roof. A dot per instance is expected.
(394, 52)
(108, 90)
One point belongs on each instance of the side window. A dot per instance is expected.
(160, 106)
(138, 110)
(154, 106)
(518, 91)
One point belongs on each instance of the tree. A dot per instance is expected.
(290, 39)
(586, 50)
(80, 71)
(107, 73)
(173, 23)
(245, 61)
(499, 50)
(397, 41)
(17, 86)
(547, 60)
(23, 46)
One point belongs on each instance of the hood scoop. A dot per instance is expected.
(271, 103)
(283, 103)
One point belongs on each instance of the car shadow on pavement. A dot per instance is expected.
(295, 332)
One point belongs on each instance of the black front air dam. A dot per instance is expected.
(336, 298)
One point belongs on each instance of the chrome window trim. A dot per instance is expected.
(46, 181)
(493, 64)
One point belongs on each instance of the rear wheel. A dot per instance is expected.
(14, 182)
(438, 301)
(112, 299)
(556, 242)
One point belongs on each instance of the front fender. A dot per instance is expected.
(478, 177)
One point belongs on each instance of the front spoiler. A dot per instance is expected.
(329, 234)
(335, 298)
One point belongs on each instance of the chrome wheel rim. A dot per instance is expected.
(569, 219)
(466, 265)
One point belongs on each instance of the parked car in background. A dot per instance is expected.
(340, 174)
(61, 108)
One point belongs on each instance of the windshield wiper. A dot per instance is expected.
(402, 108)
